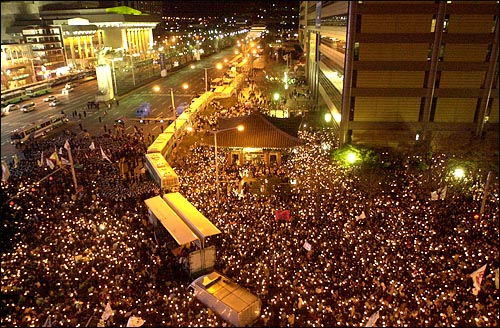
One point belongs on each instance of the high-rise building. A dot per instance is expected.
(395, 73)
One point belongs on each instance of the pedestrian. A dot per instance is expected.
(84, 114)
(80, 116)
(81, 126)
(99, 119)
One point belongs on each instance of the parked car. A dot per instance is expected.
(28, 107)
(49, 98)
(54, 103)
(10, 107)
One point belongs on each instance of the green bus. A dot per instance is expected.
(13, 97)
(38, 90)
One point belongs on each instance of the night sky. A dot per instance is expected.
(197, 8)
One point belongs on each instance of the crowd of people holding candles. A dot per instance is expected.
(346, 254)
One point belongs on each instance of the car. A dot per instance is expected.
(54, 103)
(70, 85)
(10, 107)
(66, 91)
(28, 107)
(49, 98)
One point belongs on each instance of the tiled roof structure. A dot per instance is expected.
(260, 131)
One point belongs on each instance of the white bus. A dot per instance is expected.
(161, 172)
(163, 144)
(37, 129)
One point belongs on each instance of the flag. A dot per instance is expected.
(48, 322)
(104, 155)
(42, 162)
(108, 311)
(496, 278)
(434, 195)
(307, 246)
(64, 161)
(92, 146)
(442, 192)
(49, 163)
(477, 278)
(135, 321)
(282, 215)
(372, 319)
(60, 150)
(361, 216)
(5, 172)
(16, 161)
(54, 157)
(66, 145)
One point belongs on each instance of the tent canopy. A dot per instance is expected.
(171, 221)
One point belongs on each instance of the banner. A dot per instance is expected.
(282, 215)
(434, 195)
(477, 278)
(307, 246)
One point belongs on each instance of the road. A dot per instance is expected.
(85, 92)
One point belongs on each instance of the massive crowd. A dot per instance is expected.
(66, 255)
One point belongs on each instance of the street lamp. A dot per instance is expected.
(157, 88)
(218, 66)
(215, 133)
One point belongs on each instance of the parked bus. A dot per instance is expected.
(161, 172)
(38, 90)
(37, 129)
(162, 144)
(14, 97)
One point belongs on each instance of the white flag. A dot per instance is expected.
(104, 156)
(66, 145)
(48, 322)
(372, 319)
(307, 246)
(361, 216)
(92, 146)
(60, 150)
(64, 161)
(16, 161)
(5, 171)
(135, 322)
(442, 192)
(477, 278)
(108, 311)
(42, 162)
(49, 163)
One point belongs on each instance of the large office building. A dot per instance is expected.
(396, 73)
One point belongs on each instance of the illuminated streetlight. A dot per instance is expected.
(215, 133)
(459, 173)
(351, 157)
(157, 88)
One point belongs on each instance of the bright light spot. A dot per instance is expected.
(351, 157)
(459, 173)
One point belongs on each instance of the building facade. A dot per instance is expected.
(396, 73)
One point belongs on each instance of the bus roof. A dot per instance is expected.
(171, 221)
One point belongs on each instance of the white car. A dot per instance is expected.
(10, 107)
(54, 103)
(49, 98)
